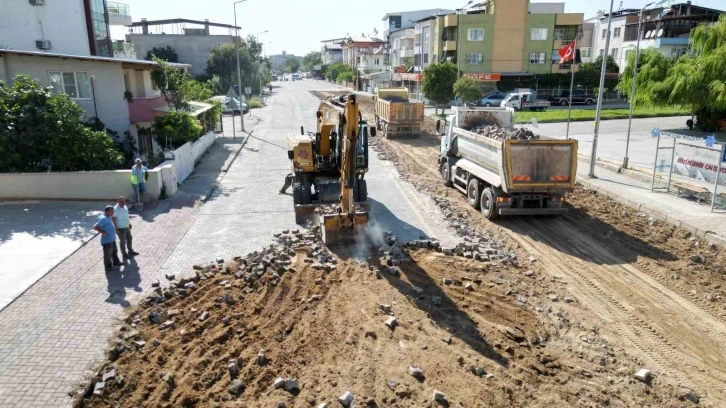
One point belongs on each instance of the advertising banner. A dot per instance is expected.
(698, 163)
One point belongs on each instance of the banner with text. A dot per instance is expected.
(698, 162)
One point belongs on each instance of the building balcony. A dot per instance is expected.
(118, 13)
(124, 50)
(449, 46)
(142, 109)
(451, 20)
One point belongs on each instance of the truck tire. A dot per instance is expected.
(473, 194)
(489, 204)
(297, 190)
(589, 102)
(306, 193)
(563, 103)
(385, 130)
(362, 191)
(445, 171)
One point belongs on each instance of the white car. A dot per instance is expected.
(228, 103)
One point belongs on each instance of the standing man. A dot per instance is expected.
(123, 228)
(105, 226)
(138, 179)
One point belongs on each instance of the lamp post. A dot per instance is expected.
(632, 90)
(239, 72)
(458, 38)
(259, 67)
(593, 157)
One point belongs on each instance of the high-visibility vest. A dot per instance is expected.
(135, 178)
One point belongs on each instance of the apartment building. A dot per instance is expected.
(332, 51)
(664, 28)
(192, 40)
(357, 49)
(400, 47)
(406, 19)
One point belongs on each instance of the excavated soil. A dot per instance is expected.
(649, 287)
(459, 320)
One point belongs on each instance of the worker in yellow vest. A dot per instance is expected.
(138, 179)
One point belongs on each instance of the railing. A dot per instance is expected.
(118, 8)
(123, 47)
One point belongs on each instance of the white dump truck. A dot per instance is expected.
(503, 170)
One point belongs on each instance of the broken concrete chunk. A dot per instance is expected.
(448, 281)
(469, 286)
(346, 399)
(387, 309)
(236, 387)
(261, 359)
(439, 396)
(391, 322)
(416, 372)
(643, 375)
(291, 385)
(204, 316)
(110, 374)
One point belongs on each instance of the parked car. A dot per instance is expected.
(577, 97)
(491, 100)
(227, 104)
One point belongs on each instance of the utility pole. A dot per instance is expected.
(239, 72)
(632, 90)
(593, 157)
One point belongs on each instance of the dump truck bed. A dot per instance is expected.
(399, 117)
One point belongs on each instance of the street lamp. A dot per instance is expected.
(632, 90)
(598, 112)
(259, 67)
(239, 72)
(458, 38)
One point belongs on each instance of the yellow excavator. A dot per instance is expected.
(329, 168)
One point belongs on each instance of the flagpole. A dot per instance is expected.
(569, 109)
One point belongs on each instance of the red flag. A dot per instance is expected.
(567, 53)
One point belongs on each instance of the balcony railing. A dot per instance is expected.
(124, 50)
(118, 8)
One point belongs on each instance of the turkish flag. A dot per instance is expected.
(567, 53)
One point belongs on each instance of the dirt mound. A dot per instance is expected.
(300, 326)
(499, 133)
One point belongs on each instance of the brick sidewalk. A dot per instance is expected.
(53, 335)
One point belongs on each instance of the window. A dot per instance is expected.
(74, 84)
(537, 57)
(614, 53)
(538, 34)
(474, 58)
(426, 35)
(426, 58)
(585, 52)
(558, 34)
(616, 33)
(357, 60)
(604, 34)
(475, 34)
(602, 52)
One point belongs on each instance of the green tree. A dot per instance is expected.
(292, 65)
(311, 59)
(438, 82)
(409, 64)
(175, 129)
(345, 76)
(468, 89)
(42, 131)
(172, 82)
(334, 70)
(166, 53)
(198, 91)
(653, 69)
(222, 63)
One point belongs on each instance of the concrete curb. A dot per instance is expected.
(659, 215)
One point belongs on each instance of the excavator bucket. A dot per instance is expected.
(335, 231)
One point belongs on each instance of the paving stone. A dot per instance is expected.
(391, 322)
(346, 399)
(439, 396)
(416, 372)
(236, 387)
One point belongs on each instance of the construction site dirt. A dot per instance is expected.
(601, 307)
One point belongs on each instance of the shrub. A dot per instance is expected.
(175, 129)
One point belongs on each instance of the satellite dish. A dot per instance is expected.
(649, 34)
(660, 33)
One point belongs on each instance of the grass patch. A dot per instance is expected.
(438, 116)
(256, 103)
(579, 115)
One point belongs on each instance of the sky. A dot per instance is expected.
(298, 26)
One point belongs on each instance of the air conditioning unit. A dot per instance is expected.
(42, 44)
(36, 2)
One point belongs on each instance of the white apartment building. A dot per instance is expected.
(401, 46)
(617, 48)
(407, 19)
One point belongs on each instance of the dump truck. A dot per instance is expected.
(328, 169)
(396, 114)
(502, 170)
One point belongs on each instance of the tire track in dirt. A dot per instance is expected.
(589, 284)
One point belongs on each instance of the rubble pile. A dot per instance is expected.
(499, 133)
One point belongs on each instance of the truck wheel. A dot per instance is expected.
(362, 191)
(563, 103)
(445, 171)
(378, 123)
(472, 193)
(385, 130)
(588, 102)
(297, 193)
(306, 194)
(489, 204)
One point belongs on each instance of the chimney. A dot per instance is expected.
(144, 26)
(206, 26)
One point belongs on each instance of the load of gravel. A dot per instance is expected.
(499, 133)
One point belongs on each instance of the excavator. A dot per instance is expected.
(329, 168)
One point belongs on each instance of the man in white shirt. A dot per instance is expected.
(123, 228)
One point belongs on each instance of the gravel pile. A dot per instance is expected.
(499, 133)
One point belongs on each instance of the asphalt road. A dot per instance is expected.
(246, 210)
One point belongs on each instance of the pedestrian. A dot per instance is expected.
(138, 179)
(288, 182)
(105, 226)
(123, 228)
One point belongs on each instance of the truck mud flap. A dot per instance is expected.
(306, 213)
(533, 211)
